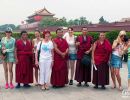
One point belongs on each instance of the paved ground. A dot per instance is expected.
(67, 93)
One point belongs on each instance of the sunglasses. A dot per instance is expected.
(122, 35)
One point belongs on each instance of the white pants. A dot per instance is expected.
(45, 70)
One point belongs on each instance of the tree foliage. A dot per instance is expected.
(63, 22)
(102, 20)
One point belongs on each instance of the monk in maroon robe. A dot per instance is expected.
(24, 66)
(59, 76)
(100, 57)
(84, 46)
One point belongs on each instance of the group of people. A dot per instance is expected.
(50, 60)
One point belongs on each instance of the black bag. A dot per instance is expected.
(86, 60)
(39, 51)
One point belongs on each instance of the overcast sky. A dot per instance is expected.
(15, 11)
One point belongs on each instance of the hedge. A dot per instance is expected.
(109, 35)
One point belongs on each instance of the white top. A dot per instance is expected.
(117, 50)
(46, 49)
(36, 43)
(71, 42)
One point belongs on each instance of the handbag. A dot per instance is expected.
(86, 60)
(39, 51)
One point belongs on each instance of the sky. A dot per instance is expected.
(15, 11)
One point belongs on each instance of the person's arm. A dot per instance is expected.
(33, 45)
(125, 49)
(56, 49)
(115, 43)
(16, 58)
(93, 50)
(36, 54)
(77, 43)
(88, 51)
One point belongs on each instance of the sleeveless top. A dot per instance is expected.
(36, 43)
(117, 50)
(71, 42)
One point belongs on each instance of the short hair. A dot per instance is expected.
(37, 31)
(70, 28)
(59, 29)
(46, 32)
(22, 32)
(101, 32)
(83, 28)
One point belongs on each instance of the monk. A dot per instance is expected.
(100, 57)
(84, 47)
(59, 76)
(24, 56)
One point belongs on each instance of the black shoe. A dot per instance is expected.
(71, 82)
(86, 84)
(95, 87)
(27, 85)
(103, 87)
(54, 86)
(18, 86)
(79, 84)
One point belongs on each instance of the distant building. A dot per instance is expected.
(125, 19)
(34, 20)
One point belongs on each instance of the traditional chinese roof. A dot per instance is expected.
(42, 12)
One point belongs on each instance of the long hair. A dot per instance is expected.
(118, 39)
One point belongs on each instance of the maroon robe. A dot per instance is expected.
(101, 58)
(59, 76)
(24, 67)
(83, 72)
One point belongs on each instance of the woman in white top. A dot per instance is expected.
(116, 58)
(45, 60)
(35, 43)
(70, 38)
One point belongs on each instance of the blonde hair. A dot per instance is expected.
(118, 39)
(122, 32)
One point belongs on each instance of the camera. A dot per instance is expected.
(126, 38)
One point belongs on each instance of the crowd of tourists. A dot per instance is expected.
(58, 61)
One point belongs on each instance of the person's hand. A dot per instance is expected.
(52, 63)
(36, 63)
(93, 62)
(3, 57)
(63, 55)
(128, 44)
(16, 61)
(77, 43)
(87, 52)
(3, 48)
(4, 51)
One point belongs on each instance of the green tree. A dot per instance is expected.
(102, 20)
(76, 22)
(71, 22)
(47, 22)
(5, 26)
(52, 22)
(83, 21)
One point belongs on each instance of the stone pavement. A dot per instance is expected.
(67, 93)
